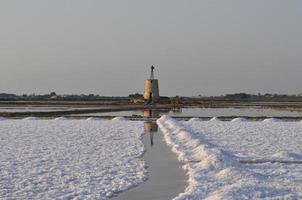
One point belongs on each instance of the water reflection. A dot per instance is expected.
(150, 128)
(150, 125)
(166, 178)
(151, 114)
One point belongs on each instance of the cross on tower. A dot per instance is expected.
(152, 72)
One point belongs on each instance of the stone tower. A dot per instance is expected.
(151, 93)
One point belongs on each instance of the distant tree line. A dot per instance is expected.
(55, 97)
(250, 97)
(93, 97)
(266, 96)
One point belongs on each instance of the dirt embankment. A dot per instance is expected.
(75, 109)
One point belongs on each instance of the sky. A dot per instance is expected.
(106, 47)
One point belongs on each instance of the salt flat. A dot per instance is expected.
(212, 153)
(94, 159)
(69, 159)
(269, 139)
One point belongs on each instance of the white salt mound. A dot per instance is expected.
(214, 119)
(31, 118)
(119, 119)
(60, 118)
(271, 120)
(194, 120)
(239, 119)
(92, 118)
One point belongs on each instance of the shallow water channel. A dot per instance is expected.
(166, 177)
(207, 113)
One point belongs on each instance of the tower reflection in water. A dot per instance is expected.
(150, 125)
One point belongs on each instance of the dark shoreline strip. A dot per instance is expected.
(82, 111)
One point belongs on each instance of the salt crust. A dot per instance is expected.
(215, 172)
(69, 159)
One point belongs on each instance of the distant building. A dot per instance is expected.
(151, 93)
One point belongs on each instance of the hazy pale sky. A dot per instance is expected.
(206, 47)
